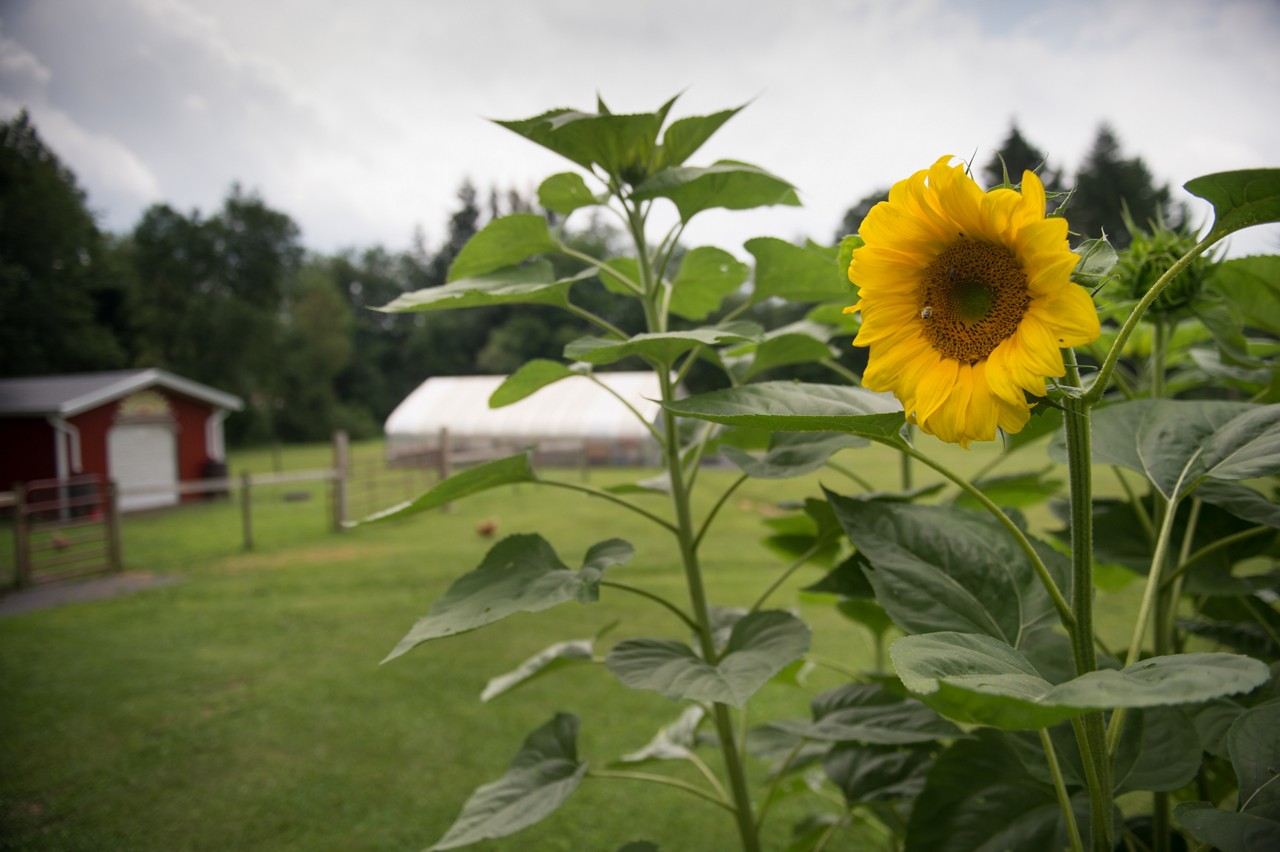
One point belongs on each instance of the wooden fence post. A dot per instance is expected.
(22, 573)
(341, 463)
(111, 515)
(445, 452)
(246, 511)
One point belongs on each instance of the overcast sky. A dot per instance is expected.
(360, 119)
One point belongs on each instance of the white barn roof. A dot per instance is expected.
(571, 408)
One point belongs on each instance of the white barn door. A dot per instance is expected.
(141, 455)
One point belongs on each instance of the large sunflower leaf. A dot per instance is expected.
(761, 644)
(685, 136)
(943, 568)
(727, 183)
(1254, 745)
(549, 659)
(978, 796)
(1252, 284)
(801, 342)
(1171, 441)
(1240, 199)
(521, 573)
(532, 377)
(542, 775)
(663, 347)
(792, 454)
(532, 284)
(807, 273)
(800, 407)
(506, 471)
(868, 713)
(877, 773)
(978, 679)
(617, 143)
(706, 276)
(503, 242)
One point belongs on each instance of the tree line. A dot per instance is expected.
(234, 300)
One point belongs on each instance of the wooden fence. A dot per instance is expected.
(65, 528)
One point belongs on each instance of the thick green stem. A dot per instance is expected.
(734, 768)
(656, 321)
(1090, 729)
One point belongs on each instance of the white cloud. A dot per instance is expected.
(360, 120)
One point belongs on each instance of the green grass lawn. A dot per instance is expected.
(245, 708)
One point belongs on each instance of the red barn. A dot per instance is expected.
(141, 428)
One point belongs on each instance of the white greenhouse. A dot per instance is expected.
(573, 421)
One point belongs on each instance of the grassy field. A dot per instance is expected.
(244, 707)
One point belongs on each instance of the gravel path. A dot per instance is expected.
(57, 594)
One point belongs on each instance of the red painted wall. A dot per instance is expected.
(26, 451)
(189, 416)
(28, 444)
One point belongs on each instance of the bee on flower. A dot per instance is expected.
(967, 301)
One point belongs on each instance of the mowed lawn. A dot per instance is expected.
(244, 708)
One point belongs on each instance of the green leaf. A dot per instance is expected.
(501, 243)
(1252, 284)
(686, 135)
(532, 284)
(792, 454)
(1015, 490)
(672, 742)
(982, 680)
(565, 192)
(1171, 440)
(624, 266)
(942, 568)
(800, 407)
(519, 574)
(761, 644)
(550, 659)
(877, 773)
(1097, 257)
(1227, 831)
(622, 145)
(1241, 501)
(727, 183)
(662, 347)
(532, 376)
(1240, 199)
(473, 480)
(542, 775)
(1254, 745)
(706, 276)
(868, 713)
(798, 343)
(1226, 327)
(808, 273)
(1159, 751)
(978, 797)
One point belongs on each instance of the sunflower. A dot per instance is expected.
(966, 301)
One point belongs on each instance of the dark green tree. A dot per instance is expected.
(853, 217)
(1109, 185)
(60, 301)
(209, 298)
(1015, 156)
